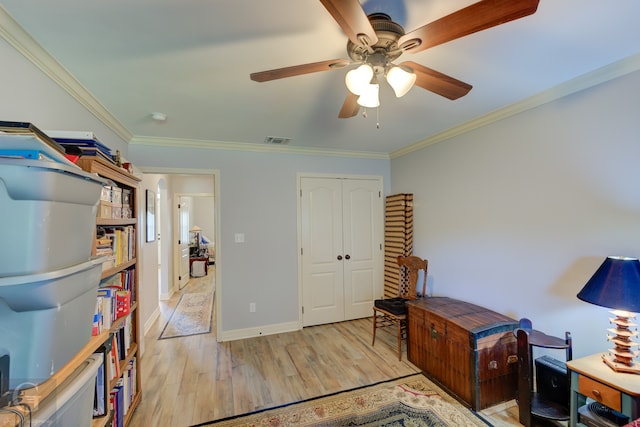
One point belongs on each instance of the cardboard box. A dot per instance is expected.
(104, 209)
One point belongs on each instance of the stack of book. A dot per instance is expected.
(119, 240)
(104, 247)
(81, 143)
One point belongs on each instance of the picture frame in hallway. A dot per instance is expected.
(151, 216)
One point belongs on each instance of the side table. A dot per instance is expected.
(533, 403)
(591, 378)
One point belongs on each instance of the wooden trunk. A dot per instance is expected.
(468, 349)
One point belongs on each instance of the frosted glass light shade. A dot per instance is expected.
(369, 97)
(357, 80)
(400, 80)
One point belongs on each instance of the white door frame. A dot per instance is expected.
(380, 263)
(219, 249)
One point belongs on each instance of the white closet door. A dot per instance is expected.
(321, 210)
(342, 255)
(362, 236)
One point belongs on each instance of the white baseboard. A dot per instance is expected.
(238, 334)
(149, 323)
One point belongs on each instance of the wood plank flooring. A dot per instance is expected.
(191, 380)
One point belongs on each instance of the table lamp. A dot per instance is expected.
(616, 285)
(196, 235)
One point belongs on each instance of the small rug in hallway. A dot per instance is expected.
(412, 401)
(191, 316)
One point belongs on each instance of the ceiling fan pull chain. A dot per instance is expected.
(377, 117)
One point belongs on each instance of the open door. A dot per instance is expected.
(183, 241)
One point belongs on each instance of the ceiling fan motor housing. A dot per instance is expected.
(385, 49)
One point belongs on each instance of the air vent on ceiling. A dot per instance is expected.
(276, 140)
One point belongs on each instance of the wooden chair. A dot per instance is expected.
(393, 311)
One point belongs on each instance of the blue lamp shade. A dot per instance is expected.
(616, 284)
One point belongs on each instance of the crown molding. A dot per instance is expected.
(585, 81)
(26, 45)
(240, 146)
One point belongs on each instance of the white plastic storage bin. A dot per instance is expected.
(71, 404)
(47, 216)
(198, 268)
(46, 318)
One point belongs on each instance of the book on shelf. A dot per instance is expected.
(124, 338)
(132, 374)
(116, 241)
(114, 358)
(123, 393)
(97, 327)
(123, 279)
(106, 295)
(101, 396)
(99, 407)
(117, 402)
(80, 139)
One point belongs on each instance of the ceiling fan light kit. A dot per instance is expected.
(400, 80)
(369, 97)
(358, 79)
(375, 41)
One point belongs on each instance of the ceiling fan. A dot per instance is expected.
(375, 41)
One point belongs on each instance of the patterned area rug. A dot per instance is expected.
(191, 316)
(412, 401)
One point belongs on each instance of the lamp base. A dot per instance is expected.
(632, 368)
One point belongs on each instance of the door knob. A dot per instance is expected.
(347, 256)
(339, 257)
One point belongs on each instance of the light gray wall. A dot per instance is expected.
(203, 215)
(516, 216)
(147, 258)
(27, 95)
(258, 198)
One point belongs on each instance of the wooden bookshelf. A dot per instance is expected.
(124, 180)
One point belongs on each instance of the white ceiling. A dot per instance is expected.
(191, 60)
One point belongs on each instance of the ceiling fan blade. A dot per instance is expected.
(437, 82)
(296, 70)
(353, 20)
(477, 17)
(350, 107)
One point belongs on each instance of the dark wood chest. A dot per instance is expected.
(468, 349)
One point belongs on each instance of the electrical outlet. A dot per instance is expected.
(252, 307)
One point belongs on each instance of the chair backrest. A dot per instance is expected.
(409, 268)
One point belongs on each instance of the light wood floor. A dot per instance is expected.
(190, 380)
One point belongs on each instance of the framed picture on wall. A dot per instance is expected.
(151, 216)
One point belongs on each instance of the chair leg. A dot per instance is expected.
(375, 324)
(399, 340)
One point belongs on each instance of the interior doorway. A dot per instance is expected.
(171, 183)
(196, 233)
